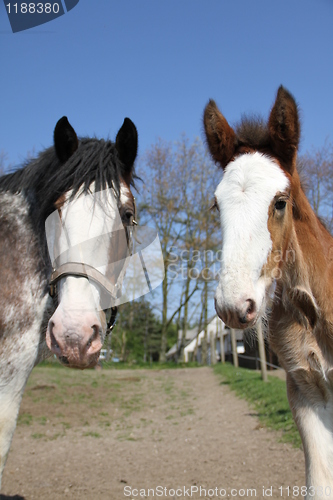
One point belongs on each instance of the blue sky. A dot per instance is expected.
(158, 62)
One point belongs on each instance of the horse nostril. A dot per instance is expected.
(248, 312)
(95, 336)
(251, 307)
(64, 360)
(54, 342)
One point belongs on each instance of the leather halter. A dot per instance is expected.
(86, 271)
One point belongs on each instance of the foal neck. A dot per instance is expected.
(313, 247)
(301, 323)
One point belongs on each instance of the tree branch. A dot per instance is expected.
(181, 305)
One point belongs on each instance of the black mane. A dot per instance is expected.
(45, 178)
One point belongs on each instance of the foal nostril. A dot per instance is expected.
(251, 307)
(248, 313)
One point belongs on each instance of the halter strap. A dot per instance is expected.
(84, 271)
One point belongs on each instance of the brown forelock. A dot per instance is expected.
(253, 132)
(253, 135)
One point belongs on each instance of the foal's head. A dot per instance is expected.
(89, 231)
(255, 200)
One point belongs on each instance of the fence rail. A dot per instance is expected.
(258, 360)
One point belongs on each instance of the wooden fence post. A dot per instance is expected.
(262, 354)
(219, 327)
(234, 347)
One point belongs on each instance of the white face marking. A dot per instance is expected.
(125, 194)
(83, 234)
(89, 231)
(244, 196)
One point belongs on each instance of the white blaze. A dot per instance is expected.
(83, 234)
(244, 196)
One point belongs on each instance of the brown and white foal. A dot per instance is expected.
(277, 259)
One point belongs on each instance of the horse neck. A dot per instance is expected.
(311, 247)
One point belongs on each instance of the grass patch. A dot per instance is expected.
(92, 434)
(42, 420)
(54, 363)
(268, 399)
(58, 400)
(25, 419)
(37, 435)
(188, 411)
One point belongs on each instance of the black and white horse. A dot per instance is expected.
(75, 192)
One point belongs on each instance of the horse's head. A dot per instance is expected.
(89, 239)
(255, 200)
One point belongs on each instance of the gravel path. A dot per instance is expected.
(172, 429)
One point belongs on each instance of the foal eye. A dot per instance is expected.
(280, 205)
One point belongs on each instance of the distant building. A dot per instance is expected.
(216, 330)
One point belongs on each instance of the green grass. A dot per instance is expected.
(25, 419)
(54, 363)
(37, 435)
(269, 400)
(92, 434)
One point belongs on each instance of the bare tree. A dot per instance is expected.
(179, 191)
(317, 177)
(161, 205)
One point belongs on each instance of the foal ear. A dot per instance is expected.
(284, 128)
(220, 136)
(127, 146)
(65, 139)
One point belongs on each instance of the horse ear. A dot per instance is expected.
(65, 139)
(127, 146)
(221, 138)
(284, 128)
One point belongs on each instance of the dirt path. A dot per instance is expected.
(127, 430)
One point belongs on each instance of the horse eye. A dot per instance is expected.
(128, 215)
(280, 205)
